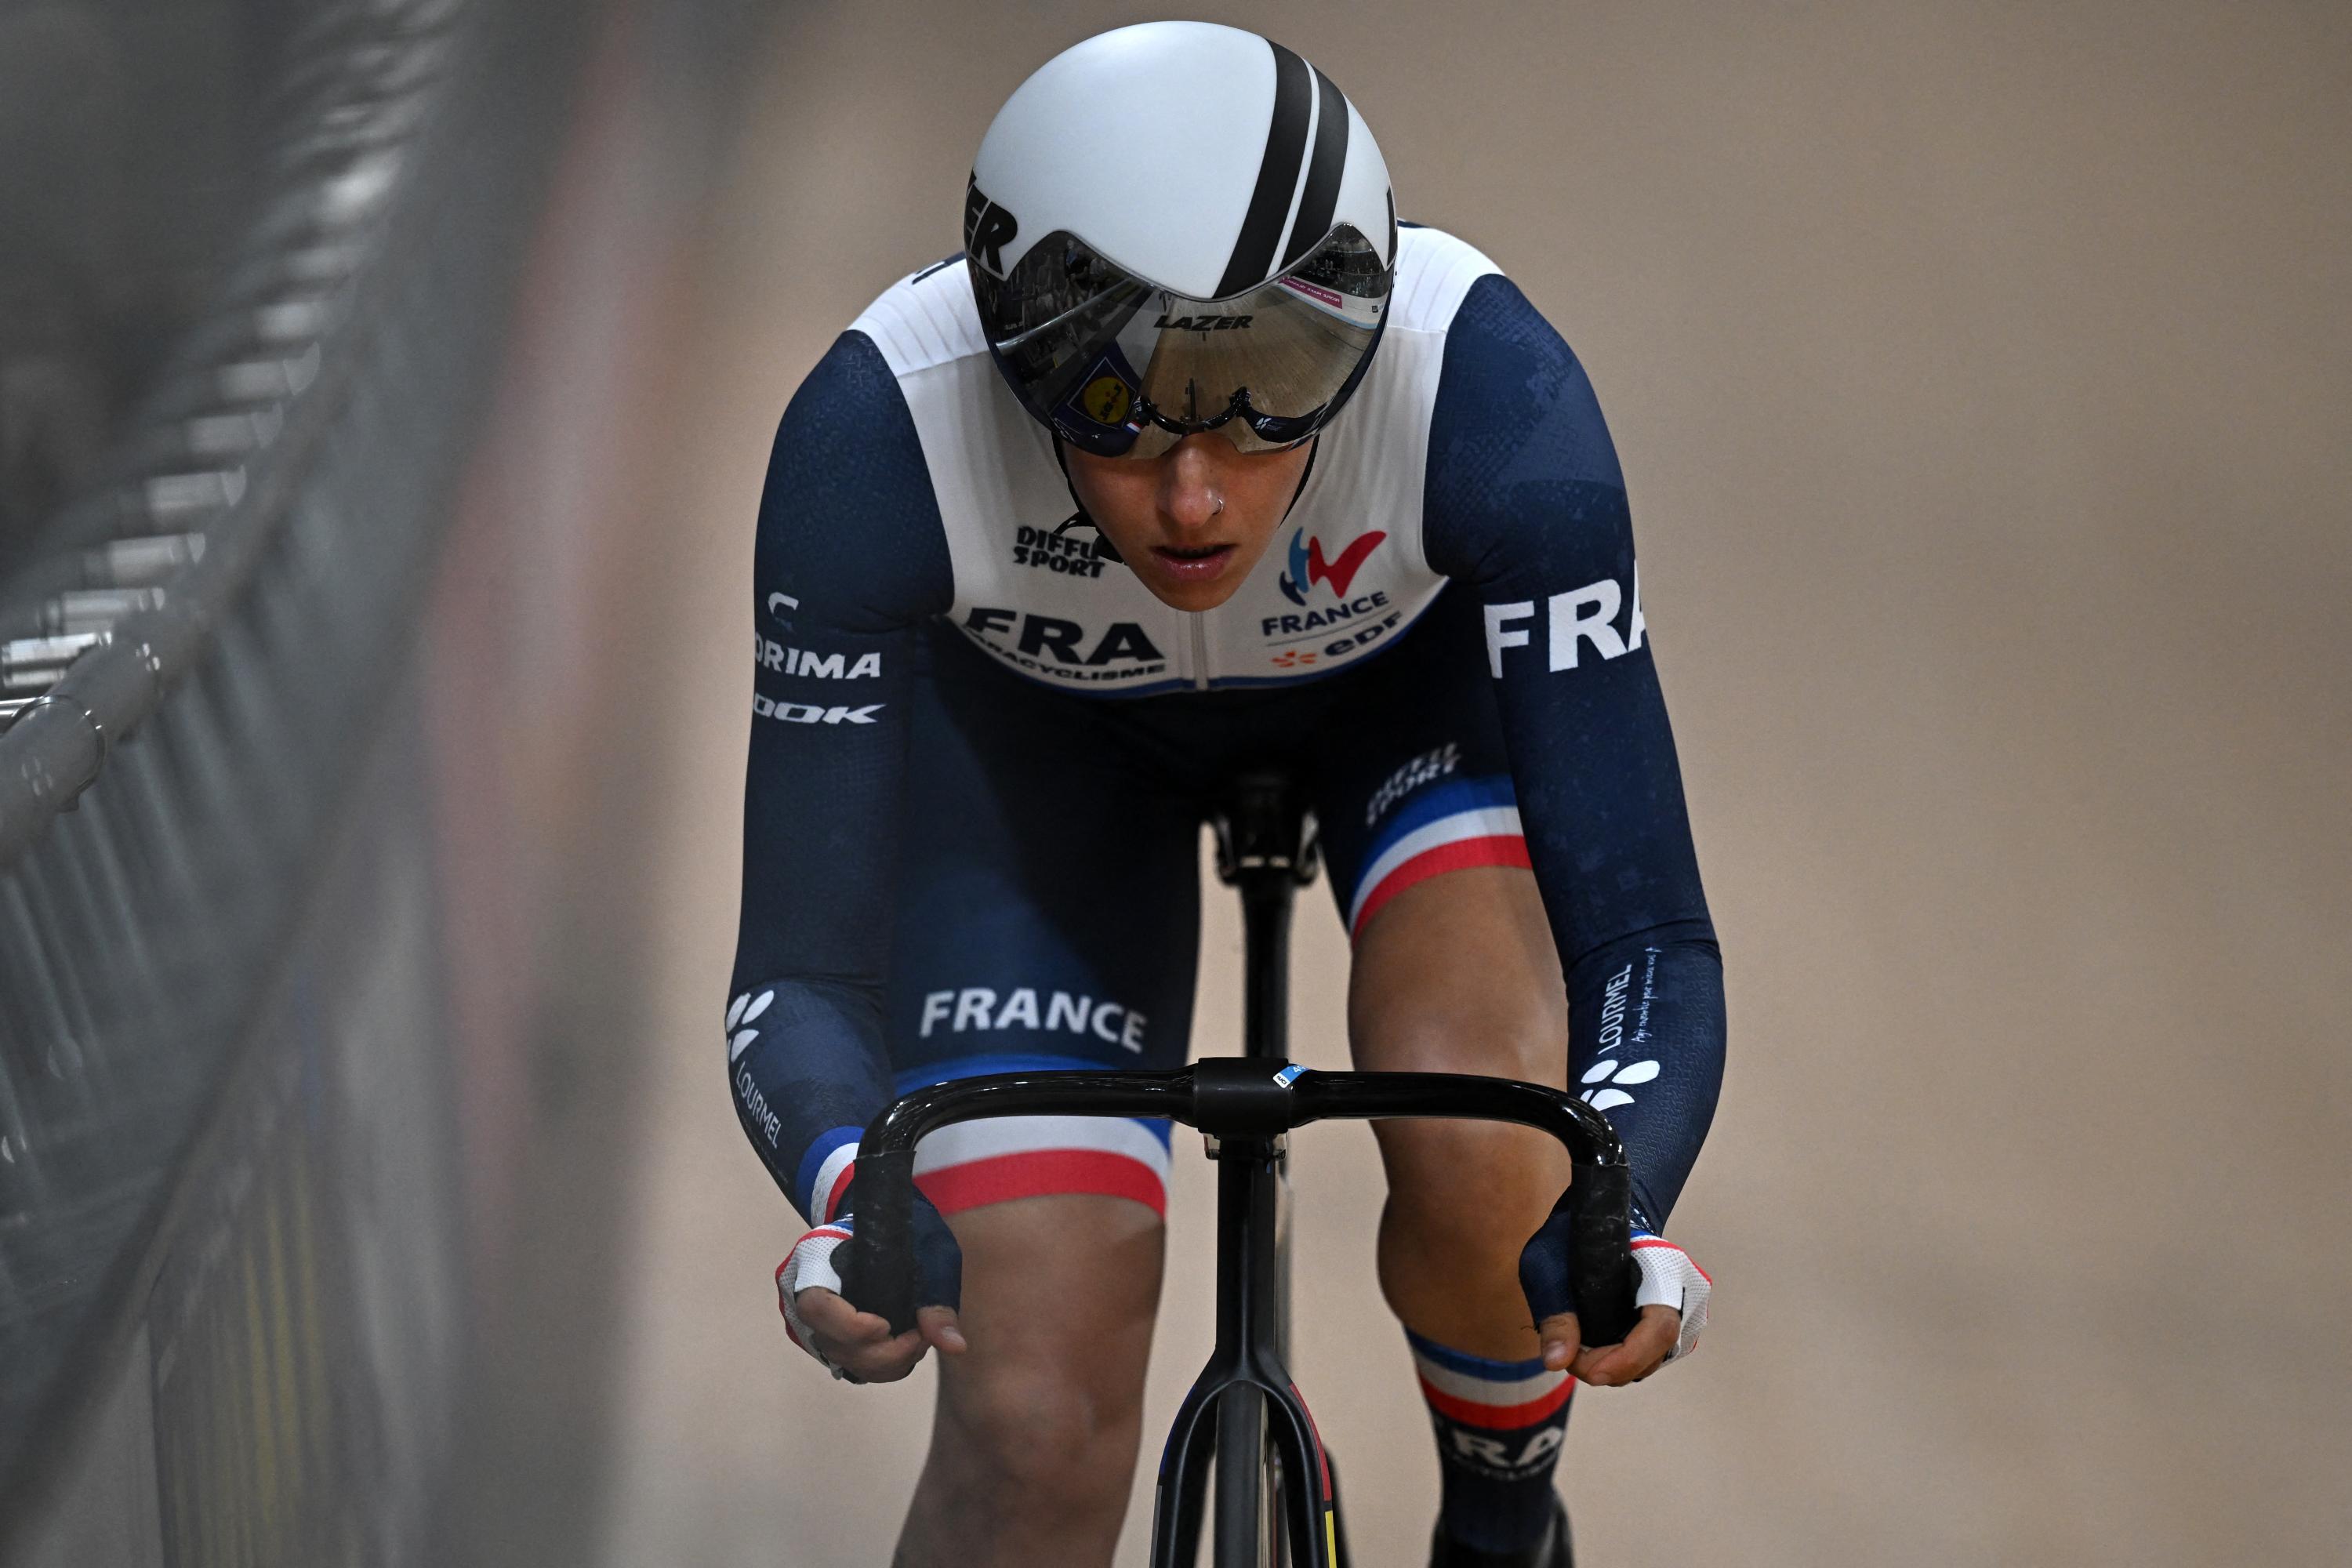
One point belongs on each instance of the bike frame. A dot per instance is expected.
(1245, 1106)
(1267, 850)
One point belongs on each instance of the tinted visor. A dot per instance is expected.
(1124, 368)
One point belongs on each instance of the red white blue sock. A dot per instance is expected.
(1499, 1425)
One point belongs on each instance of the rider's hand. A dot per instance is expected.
(1672, 1302)
(1648, 1347)
(858, 1346)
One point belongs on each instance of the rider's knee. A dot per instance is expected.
(1467, 1189)
(1042, 1434)
(1461, 1190)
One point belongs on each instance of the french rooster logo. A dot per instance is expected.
(1308, 566)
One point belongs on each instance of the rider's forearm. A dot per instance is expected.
(807, 1059)
(1646, 1045)
(849, 562)
(804, 1063)
(1601, 801)
(1529, 513)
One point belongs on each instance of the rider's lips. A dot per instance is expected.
(1193, 564)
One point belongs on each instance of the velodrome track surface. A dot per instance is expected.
(1981, 375)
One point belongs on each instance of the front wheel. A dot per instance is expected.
(1252, 1527)
(1248, 1530)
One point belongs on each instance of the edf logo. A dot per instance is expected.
(1580, 616)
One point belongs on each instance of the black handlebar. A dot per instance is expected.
(1240, 1097)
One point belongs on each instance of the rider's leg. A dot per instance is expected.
(1048, 916)
(1457, 973)
(1034, 1441)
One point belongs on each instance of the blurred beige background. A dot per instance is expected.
(1983, 377)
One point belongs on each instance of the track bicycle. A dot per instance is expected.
(1277, 1495)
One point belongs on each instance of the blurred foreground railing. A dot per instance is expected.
(190, 675)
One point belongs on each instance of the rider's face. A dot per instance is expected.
(1194, 521)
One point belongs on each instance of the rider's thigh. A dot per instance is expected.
(1059, 1295)
(1457, 973)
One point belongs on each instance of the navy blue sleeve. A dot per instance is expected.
(851, 559)
(1526, 507)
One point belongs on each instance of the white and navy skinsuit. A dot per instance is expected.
(980, 752)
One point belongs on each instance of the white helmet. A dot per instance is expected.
(1176, 227)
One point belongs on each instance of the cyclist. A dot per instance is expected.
(1344, 503)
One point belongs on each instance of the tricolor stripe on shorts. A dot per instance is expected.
(975, 1163)
(1500, 1395)
(970, 1164)
(1457, 824)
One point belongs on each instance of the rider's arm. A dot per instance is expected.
(850, 559)
(1526, 507)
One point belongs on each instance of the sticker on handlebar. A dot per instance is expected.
(1289, 1075)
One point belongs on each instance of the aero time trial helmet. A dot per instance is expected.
(1177, 228)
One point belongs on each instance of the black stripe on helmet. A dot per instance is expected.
(1321, 196)
(1277, 176)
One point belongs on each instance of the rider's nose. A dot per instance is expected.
(1192, 494)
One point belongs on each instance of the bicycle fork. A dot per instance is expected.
(1244, 1403)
